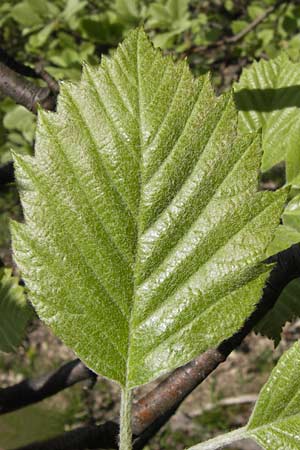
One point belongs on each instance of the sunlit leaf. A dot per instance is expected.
(144, 230)
(268, 97)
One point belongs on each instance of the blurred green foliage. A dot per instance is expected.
(61, 34)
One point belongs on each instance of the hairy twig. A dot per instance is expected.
(153, 410)
(32, 391)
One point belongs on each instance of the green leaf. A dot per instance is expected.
(38, 39)
(24, 14)
(19, 118)
(72, 8)
(173, 15)
(275, 421)
(268, 97)
(288, 233)
(101, 30)
(285, 236)
(144, 230)
(255, 11)
(14, 312)
(286, 309)
(128, 11)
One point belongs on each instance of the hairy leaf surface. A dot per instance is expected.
(14, 312)
(144, 229)
(275, 421)
(268, 97)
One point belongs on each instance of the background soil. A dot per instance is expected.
(223, 402)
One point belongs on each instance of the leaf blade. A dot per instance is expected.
(267, 96)
(119, 235)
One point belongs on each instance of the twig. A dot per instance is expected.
(93, 437)
(51, 82)
(32, 391)
(153, 410)
(26, 71)
(25, 92)
(16, 66)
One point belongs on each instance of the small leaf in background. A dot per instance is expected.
(24, 14)
(37, 40)
(288, 233)
(286, 309)
(72, 8)
(275, 421)
(128, 11)
(15, 313)
(268, 97)
(137, 265)
(168, 14)
(20, 119)
(101, 30)
(173, 16)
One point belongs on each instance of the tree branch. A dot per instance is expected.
(92, 437)
(153, 410)
(44, 75)
(16, 66)
(25, 92)
(38, 72)
(32, 391)
(6, 174)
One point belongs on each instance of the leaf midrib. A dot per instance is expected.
(139, 110)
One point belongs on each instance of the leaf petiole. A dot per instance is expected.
(125, 419)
